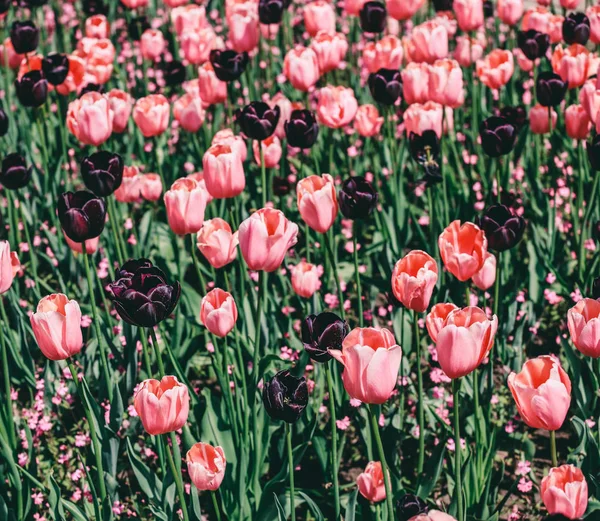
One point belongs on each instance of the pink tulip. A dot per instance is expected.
(419, 118)
(305, 279)
(90, 119)
(463, 248)
(337, 106)
(403, 9)
(353, 7)
(446, 83)
(569, 4)
(188, 111)
(56, 326)
(218, 312)
(206, 466)
(317, 201)
(371, 360)
(468, 50)
(593, 14)
(121, 104)
(542, 392)
(265, 237)
(496, 69)
(564, 492)
(91, 245)
(539, 120)
(465, 339)
(235, 142)
(185, 203)
(428, 42)
(97, 26)
(212, 90)
(330, 50)
(134, 4)
(131, 186)
(301, 68)
(433, 515)
(436, 318)
(151, 187)
(370, 483)
(413, 280)
(368, 122)
(510, 11)
(577, 122)
(524, 63)
(8, 57)
(217, 243)
(9, 266)
(151, 115)
(386, 53)
(319, 16)
(163, 406)
(285, 110)
(573, 64)
(415, 81)
(486, 276)
(584, 326)
(271, 149)
(469, 14)
(223, 172)
(196, 44)
(190, 17)
(244, 27)
(152, 44)
(589, 97)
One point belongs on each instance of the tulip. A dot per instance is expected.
(415, 83)
(121, 104)
(285, 112)
(243, 25)
(436, 317)
(385, 86)
(413, 280)
(502, 227)
(330, 50)
(188, 18)
(576, 28)
(428, 42)
(564, 492)
(386, 53)
(373, 17)
(584, 326)
(496, 69)
(151, 115)
(319, 15)
(322, 333)
(75, 77)
(188, 111)
(32, 89)
(371, 360)
(24, 36)
(91, 245)
(573, 64)
(534, 44)
(498, 136)
(368, 122)
(542, 392)
(510, 11)
(9, 266)
(589, 97)
(301, 129)
(185, 203)
(270, 12)
(102, 172)
(301, 68)
(8, 56)
(90, 119)
(228, 64)
(56, 326)
(163, 406)
(433, 515)
(469, 14)
(197, 44)
(55, 67)
(577, 122)
(317, 202)
(593, 14)
(217, 243)
(223, 172)
(370, 482)
(539, 120)
(206, 466)
(409, 506)
(235, 142)
(131, 184)
(464, 340)
(285, 397)
(257, 120)
(271, 151)
(218, 312)
(265, 237)
(15, 173)
(403, 9)
(463, 248)
(82, 215)
(97, 26)
(152, 44)
(305, 279)
(468, 50)
(445, 81)
(337, 106)
(357, 198)
(212, 90)
(486, 276)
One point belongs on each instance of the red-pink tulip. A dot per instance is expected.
(386, 53)
(185, 203)
(271, 149)
(75, 77)
(9, 266)
(593, 14)
(428, 42)
(569, 4)
(368, 122)
(564, 492)
(539, 120)
(469, 14)
(337, 106)
(134, 4)
(151, 187)
(463, 248)
(317, 201)
(589, 97)
(486, 276)
(8, 57)
(301, 68)
(90, 118)
(577, 122)
(306, 279)
(419, 118)
(97, 26)
(285, 110)
(370, 483)
(130, 189)
(319, 16)
(121, 104)
(413, 280)
(436, 318)
(151, 115)
(152, 44)
(206, 466)
(403, 9)
(433, 515)
(330, 50)
(446, 83)
(468, 50)
(496, 69)
(163, 406)
(218, 312)
(212, 90)
(235, 142)
(353, 7)
(510, 11)
(188, 111)
(196, 44)
(190, 17)
(415, 81)
(243, 27)
(217, 243)
(223, 172)
(573, 64)
(584, 326)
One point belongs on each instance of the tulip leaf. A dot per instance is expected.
(148, 479)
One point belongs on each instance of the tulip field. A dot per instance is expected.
(307, 260)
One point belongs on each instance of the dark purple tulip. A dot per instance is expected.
(32, 89)
(285, 397)
(550, 89)
(281, 185)
(228, 65)
(15, 173)
(442, 5)
(409, 506)
(516, 116)
(534, 44)
(385, 86)
(173, 73)
(497, 136)
(357, 198)
(503, 228)
(372, 17)
(302, 129)
(3, 122)
(424, 147)
(102, 172)
(323, 332)
(55, 67)
(258, 120)
(270, 12)
(593, 152)
(24, 36)
(82, 215)
(141, 294)
(576, 28)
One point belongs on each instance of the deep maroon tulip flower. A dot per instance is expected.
(173, 73)
(270, 12)
(32, 89)
(372, 17)
(442, 5)
(424, 147)
(516, 116)
(102, 172)
(15, 173)
(82, 215)
(323, 332)
(55, 67)
(285, 397)
(502, 227)
(576, 28)
(550, 89)
(534, 44)
(498, 136)
(141, 294)
(357, 198)
(302, 129)
(385, 86)
(24, 36)
(281, 185)
(3, 123)
(228, 65)
(258, 120)
(409, 506)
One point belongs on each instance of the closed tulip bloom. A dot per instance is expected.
(301, 68)
(130, 189)
(152, 44)
(564, 492)
(371, 360)
(446, 83)
(244, 28)
(196, 44)
(337, 106)
(217, 243)
(265, 237)
(212, 90)
(185, 203)
(539, 122)
(542, 392)
(577, 122)
(415, 83)
(218, 312)
(163, 406)
(465, 339)
(97, 26)
(75, 77)
(573, 64)
(285, 112)
(188, 18)
(413, 280)
(463, 249)
(151, 114)
(319, 16)
(306, 279)
(206, 466)
(468, 50)
(188, 111)
(56, 326)
(223, 172)
(90, 119)
(428, 42)
(370, 483)
(368, 122)
(317, 201)
(235, 142)
(271, 148)
(496, 69)
(593, 14)
(589, 97)
(151, 187)
(403, 9)
(386, 53)
(9, 266)
(330, 50)
(584, 326)
(469, 14)
(484, 279)
(419, 118)
(121, 104)
(510, 11)
(436, 317)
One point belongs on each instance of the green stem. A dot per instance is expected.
(384, 467)
(178, 480)
(334, 442)
(329, 246)
(421, 397)
(196, 264)
(32, 255)
(290, 454)
(255, 363)
(112, 219)
(161, 366)
(553, 448)
(6, 373)
(457, 450)
(357, 277)
(263, 175)
(215, 502)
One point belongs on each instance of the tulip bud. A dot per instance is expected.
(498, 136)
(564, 492)
(228, 65)
(357, 198)
(257, 120)
(370, 483)
(550, 89)
(206, 466)
(373, 16)
(385, 86)
(218, 312)
(56, 68)
(301, 129)
(576, 28)
(409, 506)
(82, 215)
(32, 89)
(102, 172)
(15, 173)
(163, 406)
(502, 227)
(285, 397)
(323, 332)
(534, 44)
(25, 37)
